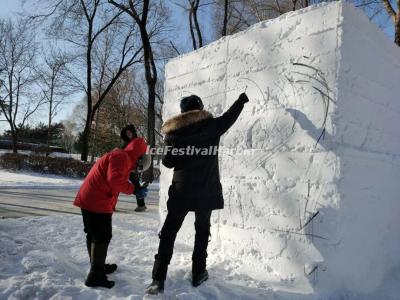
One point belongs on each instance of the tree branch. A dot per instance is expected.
(389, 8)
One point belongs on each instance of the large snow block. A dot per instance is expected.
(310, 170)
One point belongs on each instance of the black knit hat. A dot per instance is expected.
(191, 103)
(124, 136)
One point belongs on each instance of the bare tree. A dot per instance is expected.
(225, 22)
(383, 13)
(17, 58)
(395, 17)
(236, 15)
(139, 12)
(104, 47)
(194, 26)
(194, 7)
(53, 81)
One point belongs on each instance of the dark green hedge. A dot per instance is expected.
(49, 165)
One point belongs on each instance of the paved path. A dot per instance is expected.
(24, 202)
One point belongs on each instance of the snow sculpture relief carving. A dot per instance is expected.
(299, 203)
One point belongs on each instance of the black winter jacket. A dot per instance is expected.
(196, 183)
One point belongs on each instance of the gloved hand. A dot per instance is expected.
(141, 190)
(243, 98)
(134, 179)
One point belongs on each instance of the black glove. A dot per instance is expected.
(148, 176)
(134, 178)
(243, 98)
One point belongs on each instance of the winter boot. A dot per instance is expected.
(140, 208)
(199, 272)
(199, 278)
(141, 205)
(97, 276)
(109, 268)
(156, 287)
(159, 274)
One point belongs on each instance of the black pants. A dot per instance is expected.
(97, 226)
(140, 201)
(171, 226)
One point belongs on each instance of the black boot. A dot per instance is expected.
(199, 257)
(159, 274)
(97, 275)
(109, 268)
(199, 272)
(156, 287)
(141, 206)
(199, 278)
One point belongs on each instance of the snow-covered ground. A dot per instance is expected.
(9, 179)
(45, 258)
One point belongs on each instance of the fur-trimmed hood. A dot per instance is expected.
(184, 119)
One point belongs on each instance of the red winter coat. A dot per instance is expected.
(108, 177)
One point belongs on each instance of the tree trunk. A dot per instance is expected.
(48, 138)
(150, 70)
(225, 24)
(89, 116)
(14, 136)
(93, 136)
(49, 125)
(149, 175)
(151, 79)
(86, 136)
(191, 29)
(196, 24)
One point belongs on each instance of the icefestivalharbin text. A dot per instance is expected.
(192, 150)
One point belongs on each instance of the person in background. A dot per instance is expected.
(127, 134)
(97, 198)
(195, 184)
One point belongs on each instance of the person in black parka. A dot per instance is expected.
(195, 184)
(128, 133)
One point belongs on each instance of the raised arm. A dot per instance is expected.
(229, 117)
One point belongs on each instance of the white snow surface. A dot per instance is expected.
(46, 258)
(314, 209)
(23, 179)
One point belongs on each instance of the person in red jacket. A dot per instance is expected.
(97, 198)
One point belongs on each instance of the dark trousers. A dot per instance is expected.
(140, 201)
(97, 226)
(171, 226)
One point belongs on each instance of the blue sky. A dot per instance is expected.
(8, 7)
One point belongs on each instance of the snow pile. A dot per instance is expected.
(46, 258)
(313, 208)
(31, 179)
